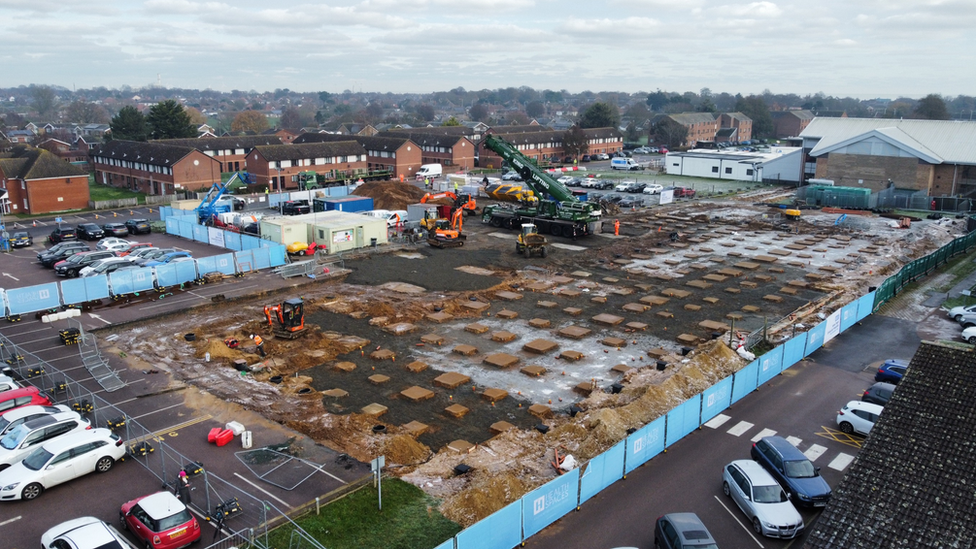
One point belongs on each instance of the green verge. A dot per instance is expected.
(409, 520)
(98, 192)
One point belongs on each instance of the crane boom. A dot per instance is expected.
(207, 208)
(540, 182)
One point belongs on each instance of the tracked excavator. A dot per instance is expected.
(290, 316)
(447, 234)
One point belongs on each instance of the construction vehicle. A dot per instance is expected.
(448, 235)
(509, 192)
(531, 242)
(465, 202)
(290, 315)
(209, 208)
(555, 209)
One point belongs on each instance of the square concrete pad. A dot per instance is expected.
(475, 306)
(622, 369)
(540, 323)
(432, 339)
(688, 339)
(614, 342)
(501, 360)
(439, 317)
(533, 370)
(585, 388)
(505, 314)
(461, 446)
(606, 319)
(674, 292)
(416, 393)
(540, 411)
(574, 332)
(540, 346)
(503, 336)
(345, 366)
(417, 366)
(377, 379)
(465, 349)
(571, 355)
(476, 328)
(548, 304)
(508, 296)
(654, 300)
(573, 311)
(451, 380)
(639, 326)
(338, 393)
(494, 395)
(456, 410)
(374, 409)
(598, 299)
(570, 292)
(400, 328)
(500, 427)
(634, 307)
(415, 428)
(382, 354)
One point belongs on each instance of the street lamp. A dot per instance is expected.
(279, 187)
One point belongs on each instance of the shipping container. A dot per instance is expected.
(348, 203)
(342, 231)
(284, 230)
(415, 212)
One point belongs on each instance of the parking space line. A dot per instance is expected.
(739, 428)
(841, 462)
(794, 440)
(267, 493)
(157, 411)
(320, 468)
(762, 434)
(736, 519)
(8, 521)
(183, 425)
(717, 421)
(815, 452)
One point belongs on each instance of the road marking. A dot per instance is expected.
(96, 317)
(269, 494)
(815, 452)
(794, 440)
(740, 428)
(762, 434)
(736, 519)
(717, 421)
(156, 412)
(8, 521)
(320, 468)
(8, 275)
(841, 462)
(840, 436)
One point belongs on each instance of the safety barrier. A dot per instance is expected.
(921, 267)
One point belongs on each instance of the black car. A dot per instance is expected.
(21, 239)
(115, 229)
(586, 158)
(138, 226)
(71, 266)
(682, 530)
(50, 258)
(879, 393)
(631, 202)
(295, 207)
(90, 231)
(794, 472)
(62, 234)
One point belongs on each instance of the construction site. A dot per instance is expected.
(481, 356)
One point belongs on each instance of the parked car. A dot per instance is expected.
(586, 158)
(60, 460)
(62, 234)
(71, 248)
(642, 150)
(160, 520)
(90, 231)
(7, 383)
(172, 257)
(565, 179)
(58, 247)
(73, 265)
(631, 202)
(858, 417)
(146, 257)
(125, 252)
(681, 530)
(610, 198)
(623, 187)
(969, 335)
(575, 182)
(957, 313)
(567, 159)
(653, 188)
(681, 192)
(112, 243)
(138, 226)
(891, 371)
(596, 183)
(295, 207)
(511, 176)
(115, 229)
(793, 471)
(26, 396)
(139, 253)
(762, 500)
(603, 156)
(21, 239)
(104, 266)
(23, 439)
(84, 533)
(13, 418)
(879, 393)
(663, 150)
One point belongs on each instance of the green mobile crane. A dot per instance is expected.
(553, 209)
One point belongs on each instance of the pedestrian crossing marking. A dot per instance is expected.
(740, 428)
(815, 452)
(794, 441)
(841, 462)
(763, 433)
(717, 421)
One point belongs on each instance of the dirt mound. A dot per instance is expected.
(404, 450)
(486, 493)
(391, 195)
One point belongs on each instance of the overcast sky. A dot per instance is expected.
(863, 48)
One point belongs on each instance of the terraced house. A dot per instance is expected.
(36, 181)
(153, 168)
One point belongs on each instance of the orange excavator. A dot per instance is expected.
(291, 318)
(447, 235)
(464, 202)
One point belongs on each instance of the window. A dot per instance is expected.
(728, 170)
(749, 172)
(714, 169)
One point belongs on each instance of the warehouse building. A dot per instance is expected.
(776, 165)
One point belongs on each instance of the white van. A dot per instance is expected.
(430, 170)
(392, 217)
(624, 164)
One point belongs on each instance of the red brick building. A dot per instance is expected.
(37, 182)
(740, 122)
(445, 145)
(398, 155)
(702, 126)
(230, 151)
(547, 144)
(153, 168)
(790, 123)
(74, 153)
(278, 166)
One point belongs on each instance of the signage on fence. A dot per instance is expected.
(833, 326)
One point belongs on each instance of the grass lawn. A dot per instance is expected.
(99, 192)
(409, 520)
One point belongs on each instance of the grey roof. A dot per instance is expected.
(742, 117)
(246, 142)
(370, 143)
(948, 141)
(911, 485)
(440, 136)
(689, 118)
(801, 114)
(38, 164)
(154, 153)
(274, 153)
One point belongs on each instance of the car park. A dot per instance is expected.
(858, 417)
(172, 257)
(115, 229)
(84, 533)
(73, 265)
(25, 396)
(879, 393)
(13, 418)
(792, 470)
(62, 234)
(761, 499)
(104, 266)
(50, 259)
(21, 239)
(24, 438)
(114, 244)
(653, 188)
(160, 521)
(60, 460)
(681, 531)
(891, 371)
(138, 226)
(90, 231)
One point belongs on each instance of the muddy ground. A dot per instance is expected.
(368, 309)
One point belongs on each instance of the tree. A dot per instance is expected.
(657, 100)
(600, 115)
(669, 132)
(478, 112)
(197, 118)
(83, 112)
(706, 105)
(575, 142)
(129, 125)
(374, 112)
(632, 134)
(755, 108)
(249, 121)
(931, 107)
(535, 109)
(517, 119)
(14, 120)
(426, 112)
(45, 101)
(326, 97)
(290, 118)
(451, 122)
(168, 120)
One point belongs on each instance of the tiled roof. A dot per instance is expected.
(275, 153)
(690, 118)
(246, 142)
(372, 143)
(912, 484)
(802, 114)
(154, 153)
(440, 136)
(38, 164)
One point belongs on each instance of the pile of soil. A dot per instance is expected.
(391, 195)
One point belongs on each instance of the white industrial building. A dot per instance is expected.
(776, 163)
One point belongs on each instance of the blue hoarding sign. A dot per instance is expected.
(503, 528)
(548, 503)
(645, 443)
(602, 471)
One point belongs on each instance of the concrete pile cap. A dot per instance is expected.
(506, 314)
(465, 349)
(540, 346)
(451, 380)
(503, 336)
(533, 370)
(417, 393)
(574, 332)
(540, 323)
(501, 360)
(456, 410)
(345, 366)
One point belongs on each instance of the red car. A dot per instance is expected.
(15, 398)
(682, 192)
(160, 520)
(134, 247)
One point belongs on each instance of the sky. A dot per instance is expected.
(864, 48)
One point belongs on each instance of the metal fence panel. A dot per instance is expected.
(602, 471)
(848, 315)
(682, 420)
(745, 381)
(201, 234)
(501, 529)
(278, 255)
(815, 337)
(793, 350)
(81, 290)
(186, 271)
(166, 275)
(33, 298)
(716, 398)
(646, 443)
(770, 365)
(865, 306)
(548, 503)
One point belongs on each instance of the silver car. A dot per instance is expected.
(762, 500)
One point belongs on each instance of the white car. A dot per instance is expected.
(565, 179)
(858, 417)
(84, 533)
(23, 439)
(758, 495)
(60, 460)
(969, 335)
(113, 244)
(104, 266)
(13, 418)
(7, 383)
(603, 156)
(653, 188)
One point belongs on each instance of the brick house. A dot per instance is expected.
(542, 145)
(283, 135)
(37, 181)
(74, 153)
(790, 123)
(399, 155)
(278, 166)
(230, 151)
(739, 121)
(701, 126)
(153, 168)
(445, 145)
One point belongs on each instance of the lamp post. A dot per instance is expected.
(279, 188)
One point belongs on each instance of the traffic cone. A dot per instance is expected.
(115, 214)
(96, 216)
(35, 223)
